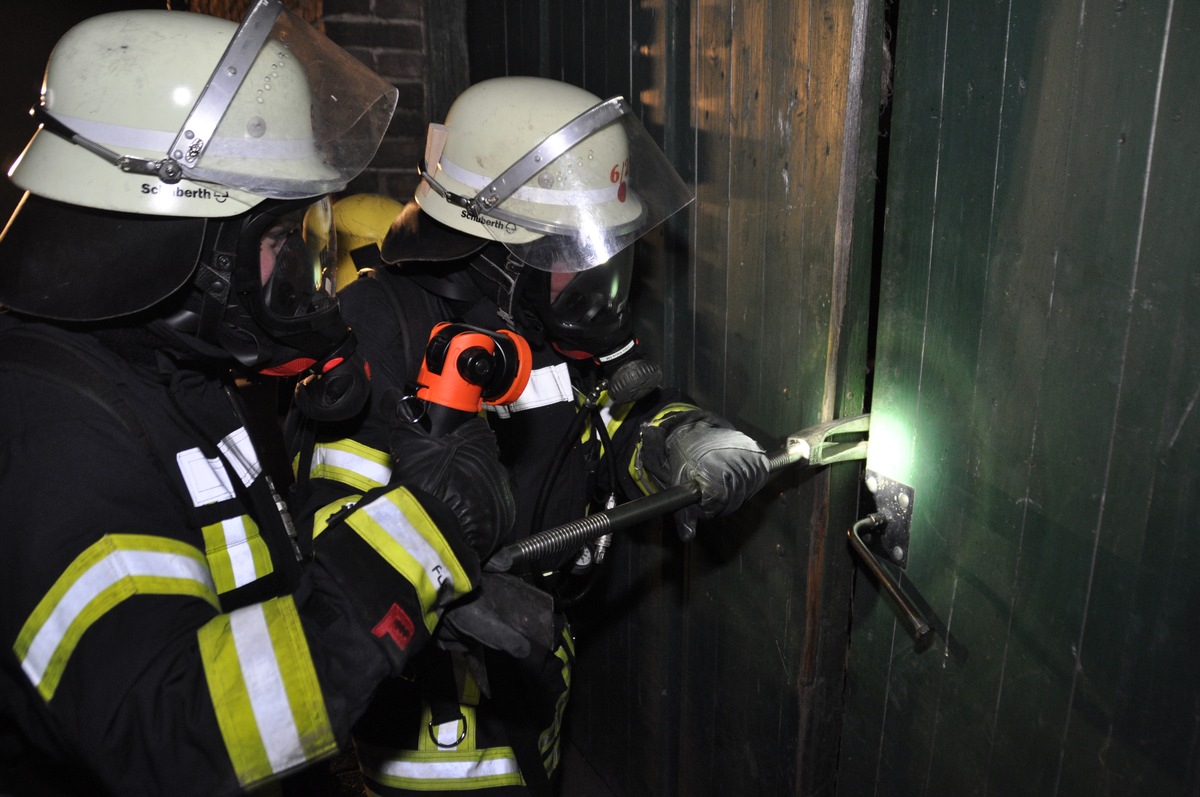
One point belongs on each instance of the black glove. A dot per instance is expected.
(699, 446)
(462, 470)
(505, 613)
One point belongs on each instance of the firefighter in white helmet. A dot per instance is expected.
(533, 191)
(168, 629)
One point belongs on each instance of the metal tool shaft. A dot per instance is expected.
(810, 446)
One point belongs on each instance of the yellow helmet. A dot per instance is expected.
(360, 220)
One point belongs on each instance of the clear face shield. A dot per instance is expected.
(584, 194)
(285, 114)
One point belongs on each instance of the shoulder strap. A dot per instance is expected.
(39, 353)
(417, 311)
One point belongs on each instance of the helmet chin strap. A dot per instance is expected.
(500, 280)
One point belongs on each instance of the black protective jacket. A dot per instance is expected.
(563, 458)
(160, 634)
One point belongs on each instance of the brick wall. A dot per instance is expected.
(390, 37)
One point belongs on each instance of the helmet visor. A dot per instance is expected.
(587, 192)
(286, 114)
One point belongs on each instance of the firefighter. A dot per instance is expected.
(167, 628)
(533, 191)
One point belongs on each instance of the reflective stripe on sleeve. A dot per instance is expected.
(614, 415)
(398, 528)
(115, 567)
(643, 480)
(237, 553)
(353, 464)
(264, 689)
(549, 740)
(321, 516)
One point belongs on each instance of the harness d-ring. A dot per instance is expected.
(456, 742)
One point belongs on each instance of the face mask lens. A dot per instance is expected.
(295, 258)
(594, 296)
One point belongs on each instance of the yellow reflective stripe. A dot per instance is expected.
(264, 689)
(549, 741)
(449, 770)
(614, 415)
(670, 410)
(351, 463)
(115, 567)
(322, 515)
(237, 553)
(397, 527)
(640, 478)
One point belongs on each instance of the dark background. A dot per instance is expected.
(26, 39)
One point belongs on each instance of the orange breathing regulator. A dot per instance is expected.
(466, 367)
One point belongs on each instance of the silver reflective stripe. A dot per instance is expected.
(542, 196)
(238, 449)
(206, 479)
(446, 770)
(550, 385)
(106, 573)
(264, 683)
(396, 525)
(123, 137)
(327, 457)
(449, 734)
(241, 555)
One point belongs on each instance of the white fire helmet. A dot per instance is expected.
(167, 113)
(560, 177)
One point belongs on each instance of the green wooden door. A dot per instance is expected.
(1038, 367)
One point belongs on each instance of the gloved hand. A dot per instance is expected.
(505, 613)
(462, 470)
(702, 447)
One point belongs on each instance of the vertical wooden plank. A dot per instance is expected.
(953, 559)
(725, 614)
(751, 588)
(874, 693)
(699, 352)
(1109, 721)
(1150, 741)
(1070, 456)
